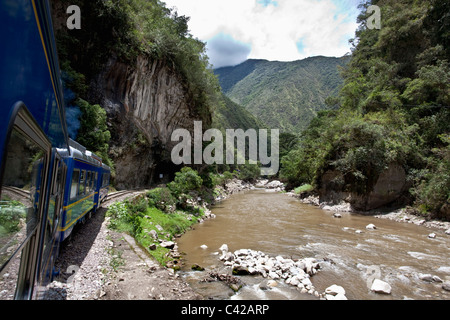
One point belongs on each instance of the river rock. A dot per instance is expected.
(153, 234)
(240, 271)
(371, 227)
(167, 244)
(204, 246)
(197, 267)
(380, 286)
(272, 283)
(274, 184)
(227, 257)
(446, 286)
(426, 277)
(432, 235)
(294, 272)
(334, 290)
(224, 248)
(339, 296)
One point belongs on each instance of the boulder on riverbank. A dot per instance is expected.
(386, 188)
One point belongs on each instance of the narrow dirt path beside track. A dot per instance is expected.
(87, 262)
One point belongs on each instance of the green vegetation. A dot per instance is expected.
(167, 211)
(304, 188)
(12, 217)
(93, 132)
(393, 108)
(283, 95)
(138, 218)
(127, 29)
(230, 115)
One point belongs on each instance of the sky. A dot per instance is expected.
(275, 30)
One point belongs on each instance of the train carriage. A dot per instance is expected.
(87, 178)
(38, 161)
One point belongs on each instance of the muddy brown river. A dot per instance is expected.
(398, 253)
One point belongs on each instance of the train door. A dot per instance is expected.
(53, 223)
(23, 173)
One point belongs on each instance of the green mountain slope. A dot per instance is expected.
(283, 95)
(230, 115)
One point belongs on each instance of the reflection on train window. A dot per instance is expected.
(82, 181)
(55, 194)
(105, 179)
(74, 185)
(88, 182)
(20, 193)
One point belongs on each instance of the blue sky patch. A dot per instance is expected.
(300, 46)
(266, 3)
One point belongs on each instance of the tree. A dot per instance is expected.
(93, 133)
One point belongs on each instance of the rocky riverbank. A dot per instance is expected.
(404, 215)
(297, 273)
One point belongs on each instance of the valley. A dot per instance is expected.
(368, 132)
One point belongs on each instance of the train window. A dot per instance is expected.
(93, 182)
(19, 202)
(105, 179)
(88, 183)
(74, 185)
(82, 182)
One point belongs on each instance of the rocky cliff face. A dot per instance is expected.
(145, 103)
(389, 187)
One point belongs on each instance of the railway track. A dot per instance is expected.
(14, 193)
(17, 191)
(120, 195)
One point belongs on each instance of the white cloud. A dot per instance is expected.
(273, 31)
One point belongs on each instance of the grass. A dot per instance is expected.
(304, 188)
(139, 225)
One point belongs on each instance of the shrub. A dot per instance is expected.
(221, 179)
(304, 188)
(249, 172)
(185, 181)
(12, 216)
(162, 199)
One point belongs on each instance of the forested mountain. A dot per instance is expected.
(230, 115)
(283, 95)
(390, 138)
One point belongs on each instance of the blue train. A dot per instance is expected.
(48, 182)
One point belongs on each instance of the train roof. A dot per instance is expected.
(77, 151)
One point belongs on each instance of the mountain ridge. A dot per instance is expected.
(284, 95)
